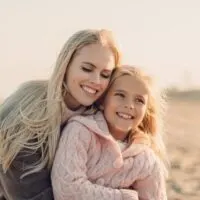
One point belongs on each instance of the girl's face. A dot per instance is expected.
(125, 105)
(89, 74)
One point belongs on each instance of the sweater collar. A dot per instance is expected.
(98, 125)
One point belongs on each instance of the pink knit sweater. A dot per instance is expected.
(89, 165)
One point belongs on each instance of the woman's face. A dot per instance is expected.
(88, 75)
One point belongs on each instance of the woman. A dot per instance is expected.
(30, 119)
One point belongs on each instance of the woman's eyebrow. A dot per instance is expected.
(94, 66)
(119, 90)
(91, 64)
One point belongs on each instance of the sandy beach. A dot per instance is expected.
(183, 134)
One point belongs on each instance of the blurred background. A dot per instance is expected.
(161, 36)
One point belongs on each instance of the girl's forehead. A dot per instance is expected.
(130, 82)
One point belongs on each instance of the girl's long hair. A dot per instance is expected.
(151, 127)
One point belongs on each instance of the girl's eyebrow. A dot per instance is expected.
(140, 96)
(123, 91)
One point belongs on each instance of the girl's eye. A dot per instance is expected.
(86, 69)
(106, 76)
(139, 100)
(120, 95)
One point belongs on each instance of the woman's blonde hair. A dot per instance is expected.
(30, 118)
(152, 124)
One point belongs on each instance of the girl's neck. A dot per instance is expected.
(119, 135)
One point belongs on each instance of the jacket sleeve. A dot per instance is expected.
(69, 172)
(36, 186)
(152, 186)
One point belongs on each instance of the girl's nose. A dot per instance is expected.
(129, 105)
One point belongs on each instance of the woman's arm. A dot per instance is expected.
(36, 186)
(69, 172)
(152, 186)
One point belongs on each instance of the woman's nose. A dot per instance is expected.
(96, 79)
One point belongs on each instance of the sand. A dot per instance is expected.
(183, 135)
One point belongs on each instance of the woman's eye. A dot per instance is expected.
(106, 76)
(85, 69)
(120, 95)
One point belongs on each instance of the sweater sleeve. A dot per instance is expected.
(35, 186)
(152, 187)
(69, 172)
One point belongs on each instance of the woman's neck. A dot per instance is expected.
(71, 103)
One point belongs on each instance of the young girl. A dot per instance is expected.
(116, 155)
(30, 119)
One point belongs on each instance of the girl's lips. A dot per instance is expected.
(125, 116)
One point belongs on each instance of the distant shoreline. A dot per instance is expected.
(174, 95)
(185, 95)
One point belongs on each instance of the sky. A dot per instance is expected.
(162, 36)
